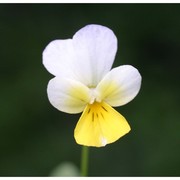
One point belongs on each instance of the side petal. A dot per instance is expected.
(119, 86)
(68, 95)
(99, 125)
(95, 47)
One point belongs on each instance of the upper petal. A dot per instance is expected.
(119, 86)
(68, 95)
(86, 58)
(95, 47)
(59, 58)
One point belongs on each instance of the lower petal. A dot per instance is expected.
(99, 125)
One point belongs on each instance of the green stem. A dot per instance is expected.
(84, 160)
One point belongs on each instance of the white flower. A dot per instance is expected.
(85, 82)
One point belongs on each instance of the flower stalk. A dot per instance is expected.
(84, 161)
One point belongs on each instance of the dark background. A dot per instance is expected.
(35, 137)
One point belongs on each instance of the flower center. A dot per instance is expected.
(94, 96)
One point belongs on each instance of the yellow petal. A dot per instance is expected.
(99, 125)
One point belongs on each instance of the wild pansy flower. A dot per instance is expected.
(84, 82)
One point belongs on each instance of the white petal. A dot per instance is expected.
(87, 57)
(119, 86)
(59, 58)
(95, 47)
(68, 95)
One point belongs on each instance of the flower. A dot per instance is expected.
(84, 81)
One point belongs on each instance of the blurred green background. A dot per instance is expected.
(35, 138)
